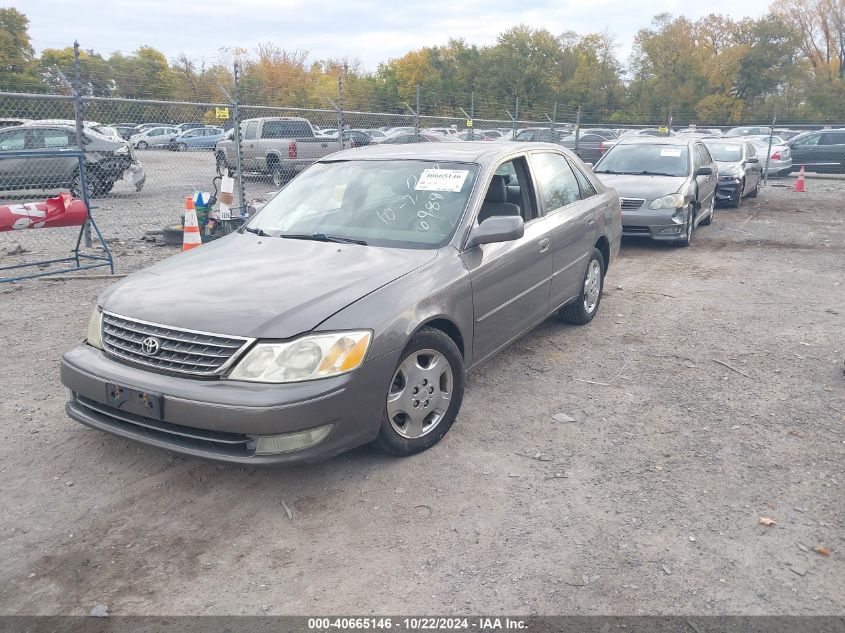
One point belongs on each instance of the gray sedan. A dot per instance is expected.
(740, 172)
(350, 308)
(667, 186)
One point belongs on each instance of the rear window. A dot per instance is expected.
(286, 129)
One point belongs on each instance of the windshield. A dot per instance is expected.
(399, 203)
(725, 152)
(659, 160)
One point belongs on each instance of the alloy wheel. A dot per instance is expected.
(592, 286)
(420, 393)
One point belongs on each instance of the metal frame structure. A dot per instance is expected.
(79, 258)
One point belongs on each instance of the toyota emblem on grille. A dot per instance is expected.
(151, 346)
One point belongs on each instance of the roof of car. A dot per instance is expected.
(657, 140)
(462, 152)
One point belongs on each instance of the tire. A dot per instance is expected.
(142, 145)
(96, 185)
(736, 200)
(406, 433)
(586, 306)
(686, 240)
(709, 219)
(280, 176)
(181, 147)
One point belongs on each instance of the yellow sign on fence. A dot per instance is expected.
(469, 122)
(221, 113)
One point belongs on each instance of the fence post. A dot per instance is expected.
(670, 119)
(236, 112)
(417, 117)
(340, 79)
(515, 117)
(577, 130)
(472, 115)
(769, 152)
(79, 116)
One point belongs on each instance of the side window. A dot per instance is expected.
(556, 181)
(750, 152)
(705, 154)
(509, 192)
(251, 130)
(49, 139)
(697, 158)
(810, 139)
(833, 138)
(12, 141)
(584, 184)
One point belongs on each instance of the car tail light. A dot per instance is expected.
(603, 147)
(776, 156)
(292, 150)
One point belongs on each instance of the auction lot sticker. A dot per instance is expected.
(442, 180)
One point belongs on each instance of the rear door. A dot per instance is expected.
(510, 280)
(805, 150)
(832, 150)
(571, 220)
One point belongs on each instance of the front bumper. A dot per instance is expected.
(223, 419)
(726, 190)
(655, 224)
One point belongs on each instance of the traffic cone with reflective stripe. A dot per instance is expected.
(799, 184)
(191, 234)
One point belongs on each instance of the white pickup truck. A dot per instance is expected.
(279, 146)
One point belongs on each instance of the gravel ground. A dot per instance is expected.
(708, 393)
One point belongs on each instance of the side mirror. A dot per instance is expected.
(704, 170)
(753, 160)
(498, 228)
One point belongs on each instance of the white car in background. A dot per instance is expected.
(154, 137)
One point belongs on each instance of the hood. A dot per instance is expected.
(246, 285)
(647, 187)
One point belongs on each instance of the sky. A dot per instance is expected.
(369, 30)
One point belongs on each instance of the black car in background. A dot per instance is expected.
(822, 151)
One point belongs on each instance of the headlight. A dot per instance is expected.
(95, 326)
(672, 201)
(306, 358)
(123, 149)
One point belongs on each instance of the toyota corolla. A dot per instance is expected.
(349, 309)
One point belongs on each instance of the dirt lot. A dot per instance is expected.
(647, 503)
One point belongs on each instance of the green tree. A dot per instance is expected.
(17, 72)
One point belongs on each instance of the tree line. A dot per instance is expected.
(714, 70)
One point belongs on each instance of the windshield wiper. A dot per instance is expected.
(322, 237)
(608, 171)
(259, 232)
(653, 173)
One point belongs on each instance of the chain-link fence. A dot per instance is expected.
(143, 157)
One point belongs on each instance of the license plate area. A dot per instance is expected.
(134, 401)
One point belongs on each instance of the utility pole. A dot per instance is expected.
(472, 115)
(417, 117)
(515, 117)
(577, 129)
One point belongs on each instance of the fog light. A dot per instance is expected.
(671, 229)
(275, 444)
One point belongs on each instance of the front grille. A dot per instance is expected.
(218, 442)
(180, 351)
(631, 203)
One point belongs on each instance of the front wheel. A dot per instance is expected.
(222, 165)
(686, 240)
(181, 147)
(584, 308)
(142, 145)
(424, 396)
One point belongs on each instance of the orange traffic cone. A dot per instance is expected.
(799, 184)
(191, 235)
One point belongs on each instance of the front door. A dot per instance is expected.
(510, 280)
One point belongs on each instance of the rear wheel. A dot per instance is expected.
(181, 147)
(424, 395)
(280, 175)
(97, 186)
(585, 307)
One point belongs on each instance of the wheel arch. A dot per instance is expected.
(448, 327)
(603, 245)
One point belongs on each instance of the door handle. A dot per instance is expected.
(590, 221)
(545, 245)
